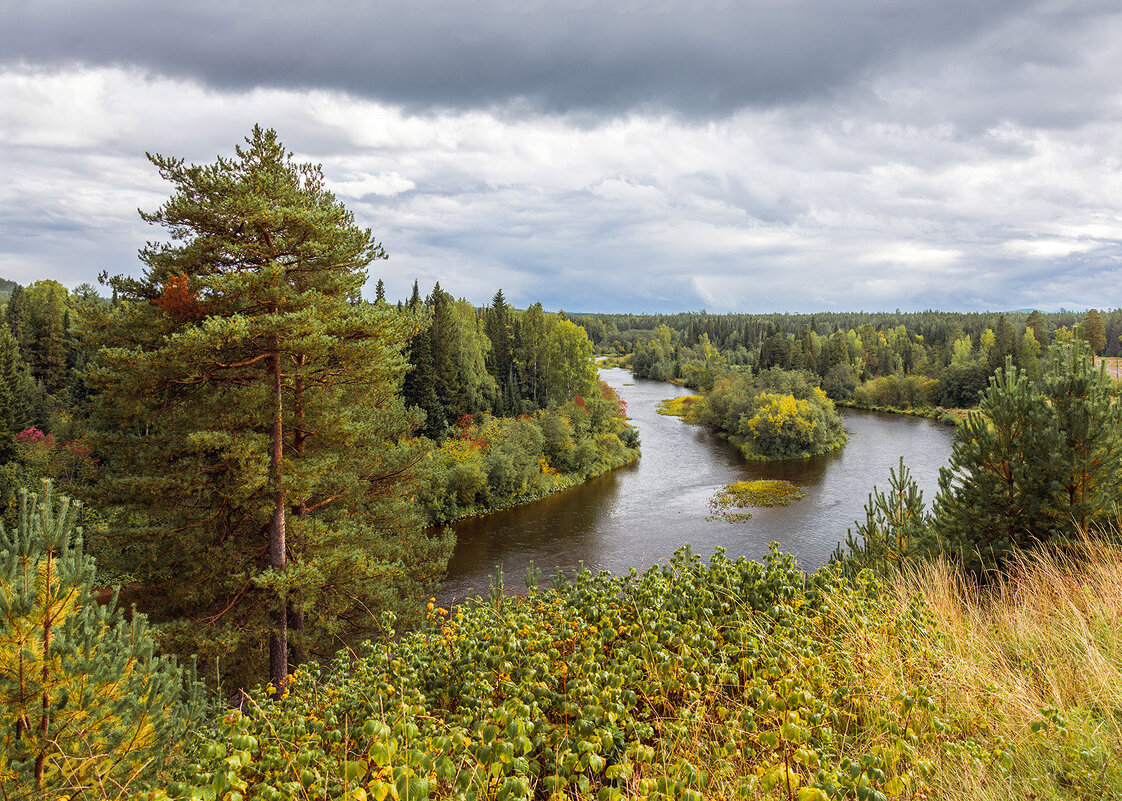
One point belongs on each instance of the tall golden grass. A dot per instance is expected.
(1031, 665)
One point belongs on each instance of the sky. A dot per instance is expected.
(618, 156)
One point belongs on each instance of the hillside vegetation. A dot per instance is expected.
(720, 680)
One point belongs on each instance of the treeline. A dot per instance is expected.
(923, 359)
(498, 360)
(43, 392)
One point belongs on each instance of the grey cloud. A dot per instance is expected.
(849, 156)
(696, 58)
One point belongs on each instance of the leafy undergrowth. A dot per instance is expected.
(728, 501)
(741, 679)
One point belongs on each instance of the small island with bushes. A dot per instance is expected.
(772, 415)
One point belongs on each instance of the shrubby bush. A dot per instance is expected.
(898, 392)
(962, 384)
(840, 382)
(775, 414)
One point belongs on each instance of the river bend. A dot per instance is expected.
(638, 515)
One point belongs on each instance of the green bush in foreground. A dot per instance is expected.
(732, 680)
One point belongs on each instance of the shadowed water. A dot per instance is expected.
(638, 515)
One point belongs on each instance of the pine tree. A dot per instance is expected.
(1005, 343)
(250, 412)
(995, 496)
(380, 292)
(1088, 456)
(85, 703)
(896, 529)
(1094, 331)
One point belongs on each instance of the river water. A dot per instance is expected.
(638, 515)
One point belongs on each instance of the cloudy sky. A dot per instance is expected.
(627, 155)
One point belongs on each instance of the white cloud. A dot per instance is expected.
(1048, 248)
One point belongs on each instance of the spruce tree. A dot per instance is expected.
(13, 413)
(419, 386)
(501, 357)
(249, 412)
(18, 316)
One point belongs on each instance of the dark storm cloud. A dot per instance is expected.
(692, 57)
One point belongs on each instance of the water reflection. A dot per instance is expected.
(639, 515)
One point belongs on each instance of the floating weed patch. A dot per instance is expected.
(678, 407)
(732, 498)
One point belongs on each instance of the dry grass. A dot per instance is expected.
(1046, 637)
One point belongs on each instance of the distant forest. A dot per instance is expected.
(883, 359)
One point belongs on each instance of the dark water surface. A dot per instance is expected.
(638, 515)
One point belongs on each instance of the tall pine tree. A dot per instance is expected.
(250, 418)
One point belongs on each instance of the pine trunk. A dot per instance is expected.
(299, 438)
(45, 721)
(278, 647)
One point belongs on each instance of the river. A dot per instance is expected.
(638, 515)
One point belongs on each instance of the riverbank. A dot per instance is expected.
(560, 483)
(939, 414)
(492, 463)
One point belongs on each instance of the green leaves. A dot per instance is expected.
(687, 681)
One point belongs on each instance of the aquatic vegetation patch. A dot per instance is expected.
(681, 406)
(728, 502)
